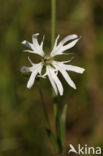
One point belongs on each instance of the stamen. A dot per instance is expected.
(46, 60)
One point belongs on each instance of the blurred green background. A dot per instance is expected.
(22, 120)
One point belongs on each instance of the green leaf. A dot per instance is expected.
(57, 124)
(62, 124)
(52, 139)
(55, 110)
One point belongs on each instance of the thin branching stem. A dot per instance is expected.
(53, 21)
(43, 105)
(55, 104)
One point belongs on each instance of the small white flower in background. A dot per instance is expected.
(52, 66)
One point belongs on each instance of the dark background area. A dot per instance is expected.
(21, 116)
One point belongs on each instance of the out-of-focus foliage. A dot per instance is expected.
(21, 116)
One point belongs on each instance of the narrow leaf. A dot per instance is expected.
(62, 124)
(57, 124)
(53, 140)
(55, 110)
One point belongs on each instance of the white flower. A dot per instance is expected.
(52, 66)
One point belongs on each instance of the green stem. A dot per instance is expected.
(53, 21)
(53, 25)
(55, 104)
(43, 105)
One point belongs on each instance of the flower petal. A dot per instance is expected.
(35, 69)
(56, 80)
(68, 79)
(70, 45)
(68, 67)
(52, 81)
(36, 46)
(41, 45)
(74, 68)
(30, 51)
(35, 39)
(60, 48)
(25, 69)
(30, 61)
(68, 38)
(58, 83)
(27, 44)
(60, 67)
(31, 80)
(55, 44)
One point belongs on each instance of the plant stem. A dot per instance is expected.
(55, 104)
(53, 25)
(53, 21)
(43, 105)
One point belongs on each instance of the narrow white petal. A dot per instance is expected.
(68, 79)
(60, 67)
(55, 48)
(74, 69)
(40, 68)
(34, 51)
(70, 45)
(68, 38)
(69, 67)
(56, 51)
(56, 80)
(42, 42)
(30, 60)
(25, 69)
(27, 44)
(60, 48)
(35, 38)
(36, 46)
(56, 41)
(52, 81)
(58, 83)
(31, 80)
(68, 60)
(36, 68)
(29, 51)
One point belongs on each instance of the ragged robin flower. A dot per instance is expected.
(48, 61)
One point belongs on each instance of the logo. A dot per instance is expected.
(84, 150)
